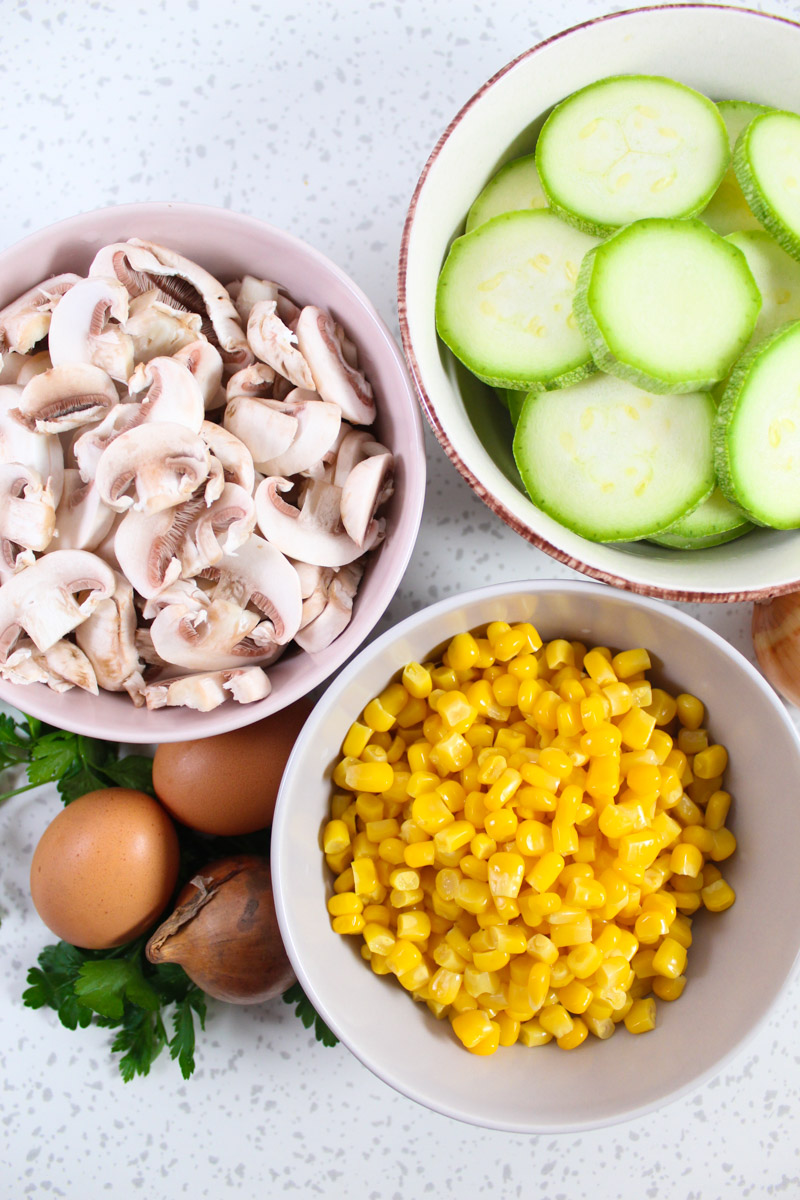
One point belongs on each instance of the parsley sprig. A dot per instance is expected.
(150, 1006)
(76, 764)
(119, 989)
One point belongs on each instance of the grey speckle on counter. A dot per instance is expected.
(318, 118)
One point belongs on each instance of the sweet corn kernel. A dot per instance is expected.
(414, 926)
(670, 958)
(629, 663)
(335, 837)
(636, 729)
(691, 711)
(555, 1019)
(641, 1017)
(430, 813)
(686, 859)
(546, 871)
(369, 777)
(349, 923)
(717, 896)
(420, 854)
(463, 652)
(669, 989)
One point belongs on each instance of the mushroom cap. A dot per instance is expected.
(172, 393)
(332, 375)
(274, 343)
(163, 461)
(80, 330)
(41, 599)
(258, 574)
(316, 432)
(367, 486)
(66, 397)
(311, 533)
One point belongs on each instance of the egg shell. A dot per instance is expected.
(227, 784)
(105, 868)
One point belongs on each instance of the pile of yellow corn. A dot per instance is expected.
(521, 833)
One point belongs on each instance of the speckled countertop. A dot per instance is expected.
(317, 118)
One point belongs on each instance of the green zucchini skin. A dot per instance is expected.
(504, 302)
(713, 523)
(745, 402)
(759, 196)
(630, 169)
(516, 186)
(728, 211)
(625, 352)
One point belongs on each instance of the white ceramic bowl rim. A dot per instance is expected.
(537, 539)
(77, 236)
(285, 882)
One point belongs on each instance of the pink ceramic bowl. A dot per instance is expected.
(229, 244)
(727, 53)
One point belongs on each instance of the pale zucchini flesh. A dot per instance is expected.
(668, 305)
(630, 147)
(728, 211)
(767, 166)
(516, 186)
(614, 463)
(712, 523)
(504, 301)
(777, 277)
(757, 432)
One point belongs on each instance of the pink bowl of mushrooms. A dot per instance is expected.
(211, 471)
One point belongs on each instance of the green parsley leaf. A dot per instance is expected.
(140, 1040)
(105, 985)
(52, 984)
(182, 1042)
(305, 1010)
(132, 771)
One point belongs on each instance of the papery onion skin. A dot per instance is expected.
(776, 641)
(224, 932)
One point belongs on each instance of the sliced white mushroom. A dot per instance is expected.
(88, 446)
(105, 548)
(336, 613)
(61, 667)
(247, 291)
(168, 391)
(142, 265)
(26, 320)
(333, 377)
(81, 329)
(27, 511)
(205, 690)
(107, 638)
(313, 532)
(182, 591)
(156, 329)
(164, 463)
(314, 584)
(42, 452)
(156, 549)
(259, 575)
(33, 364)
(317, 429)
(66, 397)
(255, 380)
(274, 343)
(41, 600)
(11, 363)
(82, 518)
(367, 487)
(354, 447)
(205, 363)
(231, 452)
(211, 639)
(263, 426)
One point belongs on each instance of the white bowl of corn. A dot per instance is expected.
(559, 817)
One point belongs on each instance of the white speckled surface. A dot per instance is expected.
(319, 120)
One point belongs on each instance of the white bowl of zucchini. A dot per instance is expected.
(599, 297)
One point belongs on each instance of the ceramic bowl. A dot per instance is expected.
(727, 53)
(229, 244)
(538, 1090)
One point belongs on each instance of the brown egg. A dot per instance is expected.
(105, 868)
(228, 784)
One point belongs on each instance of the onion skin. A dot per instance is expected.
(776, 641)
(224, 933)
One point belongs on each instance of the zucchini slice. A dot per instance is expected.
(777, 277)
(712, 523)
(504, 301)
(614, 463)
(728, 211)
(767, 165)
(515, 186)
(668, 305)
(757, 432)
(630, 147)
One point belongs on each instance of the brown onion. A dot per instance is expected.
(776, 641)
(224, 932)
